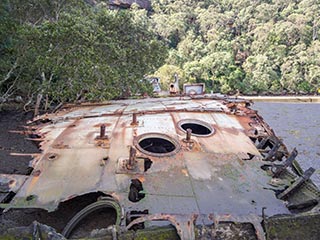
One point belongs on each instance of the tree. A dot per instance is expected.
(253, 46)
(166, 74)
(94, 53)
(260, 76)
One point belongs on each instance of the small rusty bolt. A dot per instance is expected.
(188, 136)
(134, 119)
(102, 131)
(132, 158)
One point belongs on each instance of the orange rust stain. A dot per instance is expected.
(245, 122)
(233, 131)
(60, 145)
(118, 111)
(196, 147)
(185, 172)
(123, 133)
(141, 179)
(12, 183)
(34, 180)
(135, 133)
(115, 196)
(68, 131)
(174, 120)
(115, 134)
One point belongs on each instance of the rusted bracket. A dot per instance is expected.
(278, 170)
(307, 174)
(272, 152)
(262, 144)
(131, 165)
(303, 205)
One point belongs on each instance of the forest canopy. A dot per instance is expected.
(254, 46)
(59, 51)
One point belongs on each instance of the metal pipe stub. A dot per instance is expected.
(132, 159)
(102, 134)
(134, 119)
(188, 135)
(102, 131)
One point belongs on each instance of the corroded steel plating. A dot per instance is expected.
(228, 162)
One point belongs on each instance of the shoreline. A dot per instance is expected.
(295, 99)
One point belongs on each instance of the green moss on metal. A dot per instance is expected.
(157, 234)
(293, 227)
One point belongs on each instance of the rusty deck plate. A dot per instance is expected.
(203, 176)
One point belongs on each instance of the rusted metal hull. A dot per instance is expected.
(187, 161)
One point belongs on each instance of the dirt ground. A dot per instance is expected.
(14, 143)
(13, 120)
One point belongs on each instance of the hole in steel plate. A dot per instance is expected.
(199, 128)
(132, 215)
(157, 144)
(135, 194)
(147, 164)
(52, 156)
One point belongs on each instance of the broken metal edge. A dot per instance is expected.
(276, 227)
(188, 234)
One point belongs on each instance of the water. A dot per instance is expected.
(298, 125)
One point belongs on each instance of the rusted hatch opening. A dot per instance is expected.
(157, 145)
(197, 127)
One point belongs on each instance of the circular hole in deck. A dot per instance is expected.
(157, 144)
(198, 128)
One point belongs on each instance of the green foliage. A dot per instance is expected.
(74, 51)
(260, 46)
(166, 75)
(67, 50)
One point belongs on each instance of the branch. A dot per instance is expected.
(37, 106)
(7, 77)
(8, 93)
(28, 103)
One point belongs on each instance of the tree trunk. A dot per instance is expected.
(36, 109)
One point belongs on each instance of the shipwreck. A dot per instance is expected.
(199, 166)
